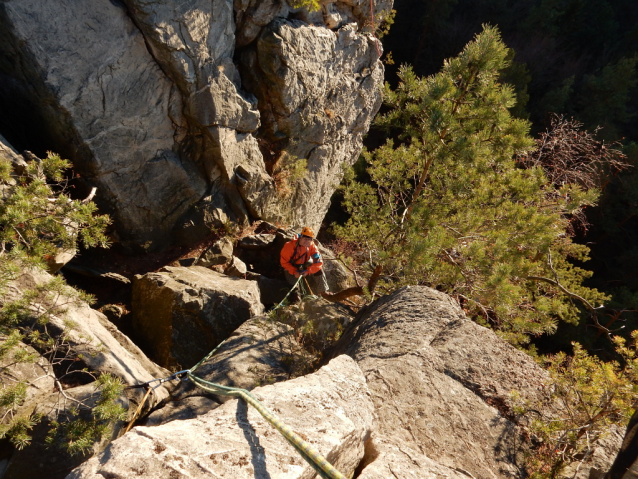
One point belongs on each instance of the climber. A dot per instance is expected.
(300, 257)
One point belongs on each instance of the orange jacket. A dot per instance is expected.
(293, 255)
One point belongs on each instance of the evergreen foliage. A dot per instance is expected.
(78, 433)
(447, 206)
(37, 219)
(587, 395)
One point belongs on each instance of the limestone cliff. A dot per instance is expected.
(189, 114)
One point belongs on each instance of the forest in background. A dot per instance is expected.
(577, 58)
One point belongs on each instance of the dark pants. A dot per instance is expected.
(317, 281)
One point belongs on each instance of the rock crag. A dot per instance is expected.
(147, 100)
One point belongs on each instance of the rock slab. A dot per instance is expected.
(330, 408)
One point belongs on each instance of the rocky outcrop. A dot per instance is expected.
(317, 91)
(93, 343)
(440, 384)
(91, 336)
(146, 101)
(331, 408)
(259, 352)
(180, 314)
(320, 322)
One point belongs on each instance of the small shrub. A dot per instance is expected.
(587, 395)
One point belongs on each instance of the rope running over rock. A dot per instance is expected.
(305, 450)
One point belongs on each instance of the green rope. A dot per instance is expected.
(288, 294)
(311, 455)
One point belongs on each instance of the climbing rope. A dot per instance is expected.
(305, 450)
(288, 294)
(304, 289)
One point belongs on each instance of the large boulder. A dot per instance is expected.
(319, 322)
(449, 378)
(180, 314)
(330, 408)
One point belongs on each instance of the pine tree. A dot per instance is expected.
(37, 219)
(448, 206)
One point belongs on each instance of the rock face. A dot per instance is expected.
(181, 313)
(331, 408)
(317, 91)
(440, 385)
(146, 101)
(105, 103)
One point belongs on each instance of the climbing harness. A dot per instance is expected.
(305, 450)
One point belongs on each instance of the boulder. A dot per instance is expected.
(330, 408)
(450, 379)
(220, 252)
(319, 322)
(317, 92)
(180, 314)
(236, 268)
(259, 352)
(338, 276)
